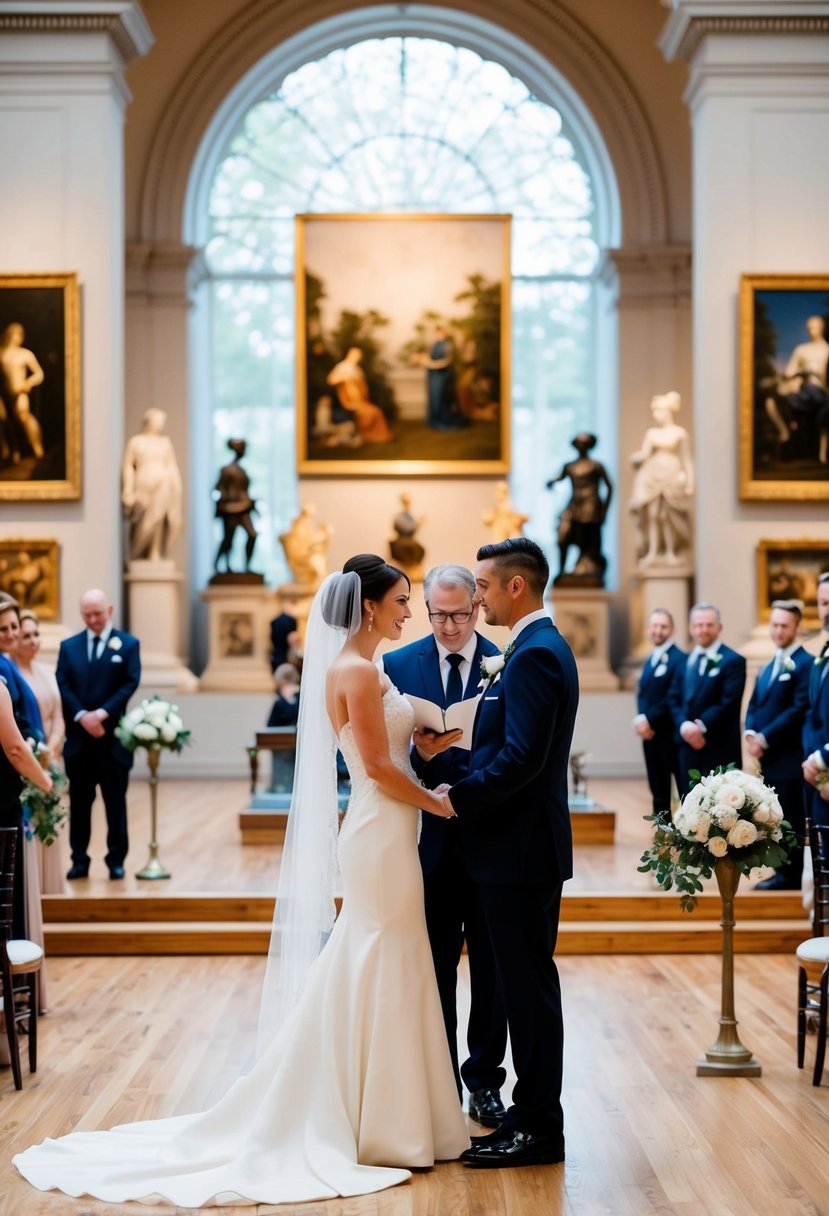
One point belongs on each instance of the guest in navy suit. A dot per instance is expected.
(706, 699)
(653, 723)
(517, 840)
(774, 729)
(98, 670)
(445, 667)
(816, 728)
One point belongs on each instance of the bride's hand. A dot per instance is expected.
(438, 805)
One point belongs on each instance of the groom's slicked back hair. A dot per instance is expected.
(518, 555)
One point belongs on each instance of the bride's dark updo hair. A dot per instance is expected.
(376, 576)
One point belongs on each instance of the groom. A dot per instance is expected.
(517, 842)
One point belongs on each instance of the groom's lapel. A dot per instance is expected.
(429, 663)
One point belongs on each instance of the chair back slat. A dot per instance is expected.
(8, 852)
(818, 834)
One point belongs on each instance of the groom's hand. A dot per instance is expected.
(429, 743)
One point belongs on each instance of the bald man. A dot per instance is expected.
(98, 670)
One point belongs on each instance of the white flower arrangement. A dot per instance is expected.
(789, 664)
(727, 815)
(114, 643)
(153, 724)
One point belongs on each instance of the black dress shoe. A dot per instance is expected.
(518, 1148)
(777, 882)
(486, 1107)
(77, 871)
(116, 872)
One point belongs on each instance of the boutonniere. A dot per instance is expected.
(712, 663)
(789, 664)
(493, 665)
(660, 670)
(821, 658)
(114, 643)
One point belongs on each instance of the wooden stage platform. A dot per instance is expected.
(219, 899)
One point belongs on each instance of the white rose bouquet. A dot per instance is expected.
(728, 814)
(44, 814)
(153, 724)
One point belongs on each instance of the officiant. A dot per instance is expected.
(445, 667)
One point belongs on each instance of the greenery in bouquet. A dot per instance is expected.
(728, 814)
(43, 814)
(154, 723)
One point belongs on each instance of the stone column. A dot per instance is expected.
(758, 96)
(62, 103)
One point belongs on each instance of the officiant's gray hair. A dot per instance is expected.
(449, 575)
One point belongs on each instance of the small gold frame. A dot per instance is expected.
(47, 307)
(789, 569)
(29, 571)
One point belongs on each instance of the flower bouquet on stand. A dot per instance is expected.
(730, 823)
(156, 725)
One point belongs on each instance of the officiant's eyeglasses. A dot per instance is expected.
(457, 618)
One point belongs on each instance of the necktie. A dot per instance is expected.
(776, 665)
(824, 667)
(454, 684)
(97, 646)
(655, 658)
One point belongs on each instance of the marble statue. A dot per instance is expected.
(305, 545)
(151, 492)
(503, 520)
(663, 486)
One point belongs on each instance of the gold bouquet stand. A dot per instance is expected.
(153, 867)
(727, 1057)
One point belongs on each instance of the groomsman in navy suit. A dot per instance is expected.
(774, 729)
(97, 672)
(653, 723)
(445, 667)
(816, 728)
(517, 840)
(706, 699)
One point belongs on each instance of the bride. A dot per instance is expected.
(353, 1086)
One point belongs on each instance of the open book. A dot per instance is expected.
(460, 716)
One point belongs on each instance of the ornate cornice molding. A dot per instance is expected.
(648, 272)
(685, 30)
(121, 20)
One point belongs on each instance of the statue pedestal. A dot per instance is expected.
(239, 617)
(583, 618)
(664, 586)
(154, 617)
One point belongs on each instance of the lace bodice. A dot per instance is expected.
(400, 720)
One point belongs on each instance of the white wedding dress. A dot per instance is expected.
(357, 1087)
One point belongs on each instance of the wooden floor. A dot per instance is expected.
(220, 896)
(131, 1038)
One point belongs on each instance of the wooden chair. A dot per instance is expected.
(18, 958)
(813, 955)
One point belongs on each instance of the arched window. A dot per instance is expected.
(399, 124)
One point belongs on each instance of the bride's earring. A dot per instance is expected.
(370, 621)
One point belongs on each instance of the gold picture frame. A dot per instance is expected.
(402, 343)
(40, 445)
(789, 570)
(784, 405)
(29, 572)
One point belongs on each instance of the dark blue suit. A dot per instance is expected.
(816, 733)
(30, 724)
(105, 683)
(715, 697)
(661, 752)
(518, 845)
(453, 903)
(777, 711)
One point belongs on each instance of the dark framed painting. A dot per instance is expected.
(40, 445)
(403, 344)
(784, 387)
(789, 570)
(29, 573)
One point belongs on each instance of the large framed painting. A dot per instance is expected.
(29, 573)
(784, 388)
(403, 344)
(789, 570)
(40, 449)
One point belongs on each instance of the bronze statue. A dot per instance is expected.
(580, 523)
(234, 506)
